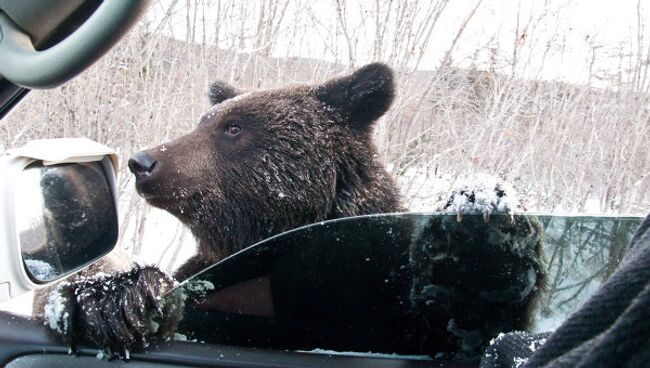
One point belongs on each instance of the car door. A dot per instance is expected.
(331, 293)
(347, 285)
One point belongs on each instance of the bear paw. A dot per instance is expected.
(117, 312)
(481, 195)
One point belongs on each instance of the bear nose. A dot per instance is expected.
(142, 165)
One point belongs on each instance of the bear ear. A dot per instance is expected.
(221, 91)
(362, 96)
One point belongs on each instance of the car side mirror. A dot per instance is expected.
(58, 211)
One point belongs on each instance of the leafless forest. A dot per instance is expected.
(562, 144)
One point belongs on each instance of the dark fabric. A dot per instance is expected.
(612, 329)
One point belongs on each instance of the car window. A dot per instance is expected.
(346, 284)
(531, 94)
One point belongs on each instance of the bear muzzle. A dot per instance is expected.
(144, 168)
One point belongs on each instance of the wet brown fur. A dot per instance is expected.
(298, 159)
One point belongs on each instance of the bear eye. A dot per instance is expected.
(233, 129)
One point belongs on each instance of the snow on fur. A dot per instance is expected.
(55, 314)
(481, 195)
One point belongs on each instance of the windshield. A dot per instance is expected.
(348, 284)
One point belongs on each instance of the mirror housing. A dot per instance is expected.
(58, 211)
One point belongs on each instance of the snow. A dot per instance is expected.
(519, 361)
(196, 289)
(54, 313)
(481, 194)
(100, 354)
(422, 190)
(179, 337)
(368, 354)
(40, 270)
(165, 242)
(499, 337)
(536, 345)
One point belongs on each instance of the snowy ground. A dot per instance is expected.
(166, 242)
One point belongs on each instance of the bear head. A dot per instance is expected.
(263, 162)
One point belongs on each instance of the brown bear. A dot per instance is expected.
(257, 164)
(268, 161)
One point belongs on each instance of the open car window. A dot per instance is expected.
(348, 284)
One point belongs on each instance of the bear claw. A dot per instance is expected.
(117, 312)
(483, 196)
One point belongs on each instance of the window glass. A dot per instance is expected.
(352, 284)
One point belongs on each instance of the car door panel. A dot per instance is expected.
(27, 343)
